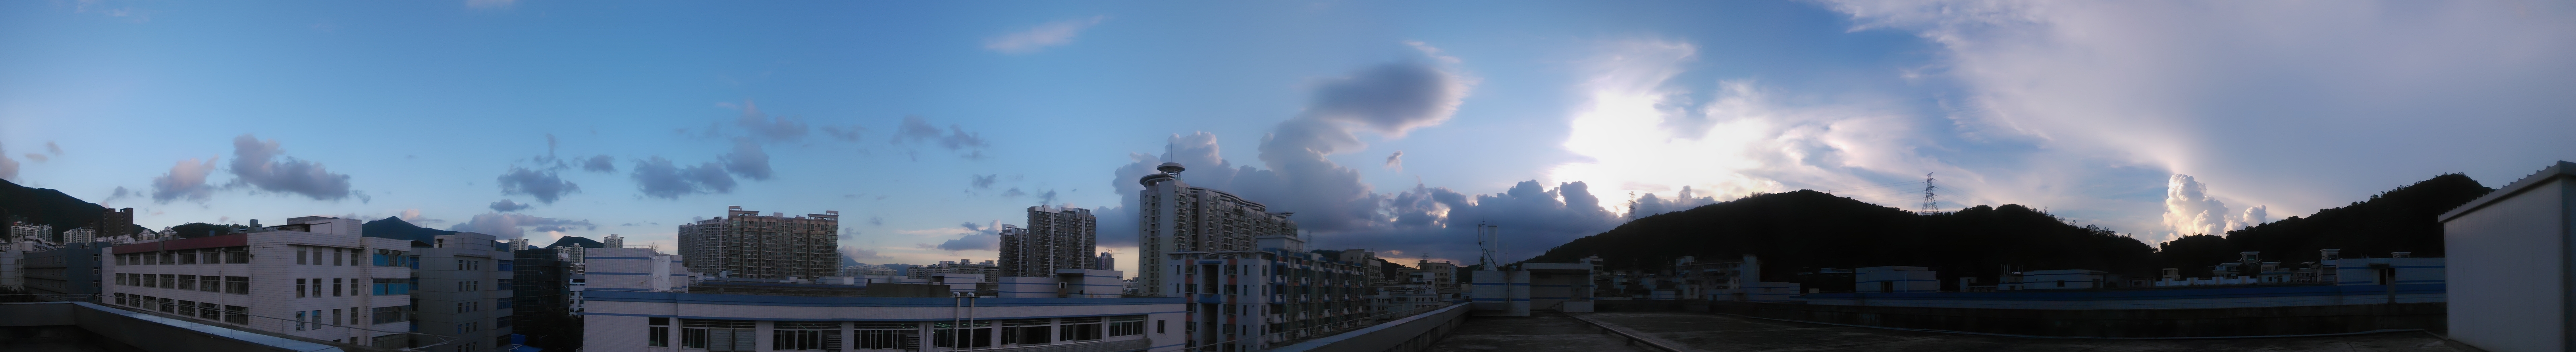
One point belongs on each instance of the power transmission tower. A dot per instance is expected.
(1929, 204)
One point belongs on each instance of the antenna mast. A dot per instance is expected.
(1490, 239)
(1929, 204)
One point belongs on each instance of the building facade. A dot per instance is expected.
(746, 244)
(67, 273)
(1256, 300)
(464, 293)
(1055, 238)
(680, 320)
(315, 277)
(1176, 218)
(990, 272)
(539, 308)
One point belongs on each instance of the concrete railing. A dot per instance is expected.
(1634, 337)
(96, 326)
(1414, 333)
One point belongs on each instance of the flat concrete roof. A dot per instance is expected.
(1717, 332)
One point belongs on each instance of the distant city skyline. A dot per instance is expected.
(1390, 127)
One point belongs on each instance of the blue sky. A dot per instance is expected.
(925, 124)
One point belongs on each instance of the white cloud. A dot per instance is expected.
(2190, 210)
(2296, 104)
(1039, 38)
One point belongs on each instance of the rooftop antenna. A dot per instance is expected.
(1928, 202)
(1490, 239)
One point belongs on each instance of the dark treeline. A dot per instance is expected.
(45, 206)
(1804, 230)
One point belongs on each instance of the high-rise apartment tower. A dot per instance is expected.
(1056, 238)
(745, 244)
(1174, 217)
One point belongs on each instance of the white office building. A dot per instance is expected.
(314, 277)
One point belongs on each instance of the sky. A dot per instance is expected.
(1393, 127)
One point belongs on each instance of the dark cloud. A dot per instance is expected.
(1395, 162)
(50, 147)
(1047, 197)
(982, 181)
(1650, 204)
(516, 225)
(658, 178)
(747, 160)
(917, 130)
(37, 157)
(983, 237)
(121, 192)
(541, 184)
(858, 253)
(769, 127)
(1391, 98)
(506, 205)
(187, 180)
(264, 166)
(601, 163)
(1014, 192)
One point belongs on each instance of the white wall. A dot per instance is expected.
(2507, 269)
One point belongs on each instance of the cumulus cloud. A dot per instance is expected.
(1651, 204)
(917, 130)
(769, 127)
(1041, 37)
(659, 178)
(600, 163)
(516, 225)
(187, 180)
(263, 165)
(747, 160)
(506, 205)
(2190, 210)
(544, 185)
(2171, 86)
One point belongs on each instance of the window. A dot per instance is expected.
(239, 285)
(802, 336)
(659, 333)
(335, 256)
(237, 314)
(1079, 329)
(469, 285)
(388, 257)
(335, 287)
(187, 256)
(392, 287)
(1158, 326)
(506, 266)
(210, 283)
(887, 336)
(974, 334)
(718, 335)
(469, 265)
(299, 321)
(240, 255)
(462, 307)
(1026, 331)
(169, 280)
(317, 288)
(335, 317)
(299, 288)
(505, 304)
(387, 315)
(300, 254)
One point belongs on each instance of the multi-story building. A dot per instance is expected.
(615, 241)
(726, 316)
(1056, 238)
(39, 232)
(745, 244)
(112, 223)
(990, 271)
(1256, 300)
(1176, 218)
(538, 307)
(68, 273)
(635, 269)
(315, 277)
(464, 293)
(518, 244)
(79, 235)
(11, 250)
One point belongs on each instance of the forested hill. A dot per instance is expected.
(1803, 230)
(2404, 219)
(47, 206)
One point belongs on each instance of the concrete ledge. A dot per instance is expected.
(1412, 333)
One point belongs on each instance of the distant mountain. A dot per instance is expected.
(584, 242)
(396, 228)
(1805, 230)
(2404, 219)
(48, 207)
